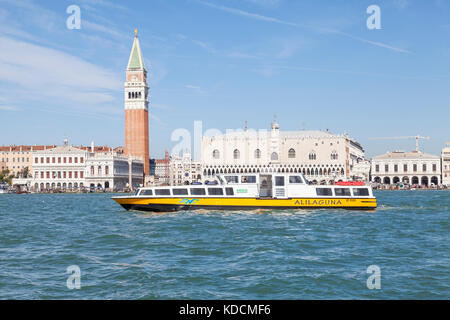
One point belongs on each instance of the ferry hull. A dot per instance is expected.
(179, 204)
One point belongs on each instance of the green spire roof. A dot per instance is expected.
(136, 61)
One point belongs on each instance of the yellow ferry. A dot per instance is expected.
(249, 192)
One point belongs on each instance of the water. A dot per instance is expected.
(317, 254)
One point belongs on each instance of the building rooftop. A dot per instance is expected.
(406, 155)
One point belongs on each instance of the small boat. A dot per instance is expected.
(250, 192)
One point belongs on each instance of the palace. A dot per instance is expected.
(321, 156)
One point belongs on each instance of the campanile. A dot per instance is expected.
(136, 107)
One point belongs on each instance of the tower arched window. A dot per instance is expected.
(291, 154)
(257, 154)
(236, 154)
(216, 154)
(139, 95)
(274, 156)
(129, 95)
(312, 155)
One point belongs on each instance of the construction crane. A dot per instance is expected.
(406, 137)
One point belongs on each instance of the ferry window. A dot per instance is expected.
(180, 192)
(342, 192)
(229, 191)
(232, 179)
(162, 192)
(215, 191)
(146, 193)
(248, 179)
(361, 192)
(137, 192)
(198, 192)
(279, 181)
(324, 191)
(295, 179)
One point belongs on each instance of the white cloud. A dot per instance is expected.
(256, 16)
(45, 73)
(9, 108)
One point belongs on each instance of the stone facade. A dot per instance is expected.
(183, 170)
(445, 158)
(73, 168)
(413, 168)
(322, 156)
(17, 158)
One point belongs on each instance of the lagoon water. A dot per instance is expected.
(290, 254)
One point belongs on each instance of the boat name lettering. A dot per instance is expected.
(318, 202)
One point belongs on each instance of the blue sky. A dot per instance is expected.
(313, 63)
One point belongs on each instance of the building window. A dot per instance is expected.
(312, 155)
(48, 175)
(99, 170)
(92, 170)
(216, 154)
(36, 160)
(405, 168)
(236, 154)
(42, 174)
(81, 174)
(70, 174)
(65, 159)
(334, 155)
(59, 159)
(76, 174)
(386, 168)
(395, 167)
(257, 154)
(434, 167)
(377, 168)
(424, 167)
(291, 154)
(415, 167)
(274, 156)
(106, 170)
(48, 160)
(53, 160)
(70, 159)
(75, 160)
(81, 160)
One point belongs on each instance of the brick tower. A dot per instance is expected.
(136, 107)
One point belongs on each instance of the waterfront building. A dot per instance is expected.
(184, 171)
(19, 159)
(61, 167)
(323, 157)
(445, 158)
(72, 168)
(111, 171)
(414, 168)
(160, 170)
(136, 107)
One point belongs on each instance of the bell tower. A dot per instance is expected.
(136, 107)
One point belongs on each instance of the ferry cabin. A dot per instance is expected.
(247, 191)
